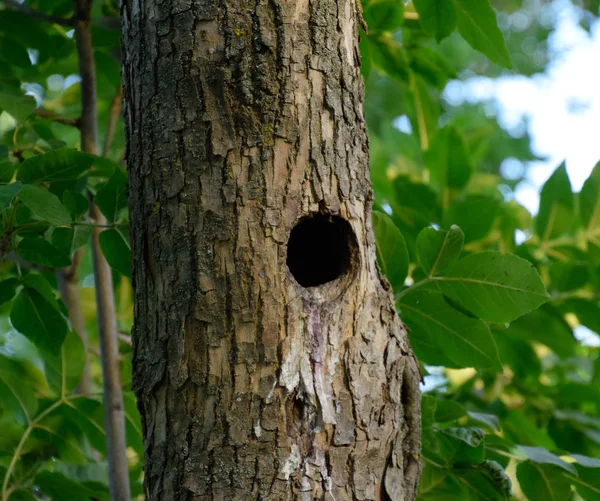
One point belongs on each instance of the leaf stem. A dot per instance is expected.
(19, 449)
(423, 136)
(402, 293)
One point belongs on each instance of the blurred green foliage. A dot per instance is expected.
(517, 410)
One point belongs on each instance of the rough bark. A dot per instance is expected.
(243, 119)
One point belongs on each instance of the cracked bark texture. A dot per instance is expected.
(242, 118)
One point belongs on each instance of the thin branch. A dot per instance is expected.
(114, 112)
(69, 293)
(105, 303)
(126, 338)
(49, 18)
(73, 122)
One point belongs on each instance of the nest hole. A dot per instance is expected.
(321, 249)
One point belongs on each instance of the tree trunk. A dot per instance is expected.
(269, 362)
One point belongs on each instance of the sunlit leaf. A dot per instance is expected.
(476, 21)
(439, 249)
(19, 106)
(437, 17)
(557, 206)
(543, 481)
(384, 15)
(63, 371)
(495, 287)
(391, 249)
(438, 327)
(448, 159)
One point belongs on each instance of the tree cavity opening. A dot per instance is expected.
(321, 249)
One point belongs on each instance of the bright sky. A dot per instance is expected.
(560, 107)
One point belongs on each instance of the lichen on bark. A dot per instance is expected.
(243, 118)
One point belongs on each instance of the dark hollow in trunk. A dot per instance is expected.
(269, 362)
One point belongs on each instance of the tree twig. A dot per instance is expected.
(105, 304)
(49, 18)
(69, 293)
(73, 122)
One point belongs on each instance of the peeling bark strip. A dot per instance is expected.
(244, 121)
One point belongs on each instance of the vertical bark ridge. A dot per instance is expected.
(243, 117)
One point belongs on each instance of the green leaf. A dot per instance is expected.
(439, 329)
(36, 250)
(474, 214)
(76, 203)
(34, 317)
(391, 249)
(587, 312)
(437, 17)
(557, 206)
(437, 484)
(8, 289)
(63, 371)
(448, 410)
(384, 15)
(438, 249)
(485, 481)
(519, 427)
(62, 239)
(7, 170)
(59, 486)
(540, 481)
(448, 159)
(495, 287)
(45, 205)
(7, 193)
(555, 333)
(133, 423)
(471, 436)
(112, 197)
(88, 415)
(543, 456)
(426, 109)
(116, 250)
(57, 165)
(17, 394)
(588, 481)
(388, 56)
(19, 106)
(39, 283)
(589, 208)
(417, 203)
(477, 24)
(81, 236)
(490, 420)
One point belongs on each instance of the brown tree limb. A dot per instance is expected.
(114, 112)
(73, 122)
(69, 293)
(49, 18)
(107, 324)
